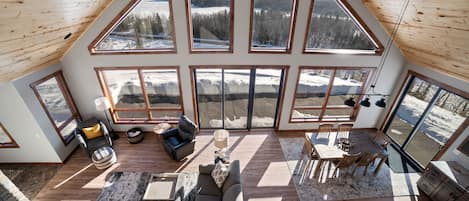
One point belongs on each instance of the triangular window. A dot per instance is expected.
(335, 28)
(143, 26)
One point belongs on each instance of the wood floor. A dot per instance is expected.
(264, 169)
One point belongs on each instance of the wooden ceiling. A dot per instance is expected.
(32, 31)
(433, 33)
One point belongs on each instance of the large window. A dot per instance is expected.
(321, 92)
(142, 94)
(210, 25)
(6, 141)
(426, 117)
(272, 24)
(56, 100)
(334, 27)
(143, 26)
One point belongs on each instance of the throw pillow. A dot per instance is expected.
(220, 173)
(92, 132)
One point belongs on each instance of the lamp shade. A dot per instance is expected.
(349, 102)
(221, 138)
(365, 102)
(102, 103)
(381, 103)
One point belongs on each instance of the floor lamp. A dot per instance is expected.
(102, 104)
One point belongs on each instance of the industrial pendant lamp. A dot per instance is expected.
(365, 102)
(350, 102)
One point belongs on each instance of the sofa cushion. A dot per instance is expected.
(207, 198)
(220, 173)
(233, 193)
(206, 185)
(174, 141)
(234, 177)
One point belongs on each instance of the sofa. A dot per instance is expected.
(207, 189)
(180, 142)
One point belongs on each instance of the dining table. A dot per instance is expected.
(326, 149)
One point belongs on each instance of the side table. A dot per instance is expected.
(160, 129)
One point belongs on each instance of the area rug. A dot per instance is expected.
(132, 186)
(30, 178)
(343, 187)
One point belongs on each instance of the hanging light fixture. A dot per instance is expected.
(382, 102)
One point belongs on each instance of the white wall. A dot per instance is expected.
(34, 106)
(79, 64)
(22, 125)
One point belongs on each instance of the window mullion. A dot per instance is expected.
(328, 91)
(144, 92)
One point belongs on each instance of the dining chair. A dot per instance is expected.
(365, 161)
(325, 129)
(345, 163)
(343, 131)
(308, 147)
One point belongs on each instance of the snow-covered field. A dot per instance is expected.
(440, 123)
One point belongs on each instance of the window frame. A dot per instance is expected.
(358, 21)
(13, 143)
(324, 106)
(400, 97)
(148, 109)
(291, 33)
(190, 32)
(117, 20)
(68, 98)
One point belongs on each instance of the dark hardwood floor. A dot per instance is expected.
(264, 169)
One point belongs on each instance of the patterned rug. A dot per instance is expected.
(30, 179)
(343, 187)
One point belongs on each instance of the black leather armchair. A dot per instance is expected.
(179, 142)
(91, 145)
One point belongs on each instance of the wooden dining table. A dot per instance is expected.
(326, 149)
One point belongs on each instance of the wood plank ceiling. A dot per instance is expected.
(433, 33)
(32, 31)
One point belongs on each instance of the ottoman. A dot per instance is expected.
(103, 157)
(135, 135)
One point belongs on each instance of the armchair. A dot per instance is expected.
(93, 144)
(179, 142)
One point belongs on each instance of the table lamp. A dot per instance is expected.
(102, 104)
(221, 138)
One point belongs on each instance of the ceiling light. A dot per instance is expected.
(366, 102)
(350, 102)
(381, 103)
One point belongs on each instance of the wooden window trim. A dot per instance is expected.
(148, 109)
(358, 21)
(13, 143)
(117, 20)
(190, 32)
(324, 106)
(441, 85)
(68, 99)
(291, 32)
(281, 67)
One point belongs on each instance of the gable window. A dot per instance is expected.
(143, 26)
(334, 27)
(58, 104)
(210, 25)
(272, 25)
(321, 92)
(142, 94)
(427, 118)
(6, 141)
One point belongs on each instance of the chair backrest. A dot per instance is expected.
(186, 128)
(343, 130)
(349, 160)
(325, 129)
(366, 158)
(308, 148)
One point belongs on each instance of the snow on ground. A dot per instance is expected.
(440, 123)
(240, 122)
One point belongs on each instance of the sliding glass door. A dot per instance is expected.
(238, 98)
(426, 117)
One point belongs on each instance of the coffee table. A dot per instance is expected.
(161, 187)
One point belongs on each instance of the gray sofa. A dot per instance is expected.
(208, 190)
